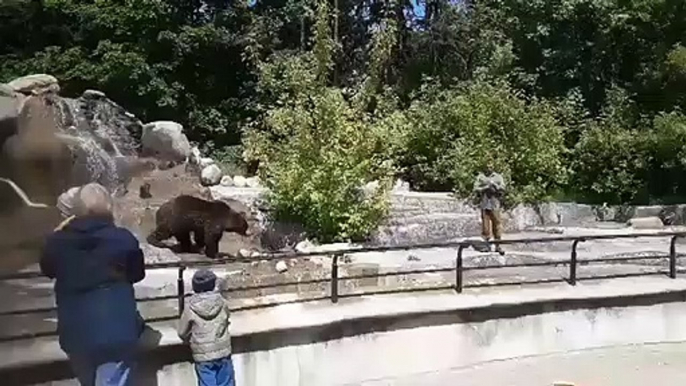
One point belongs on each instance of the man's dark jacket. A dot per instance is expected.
(94, 264)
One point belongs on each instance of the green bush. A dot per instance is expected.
(668, 162)
(455, 133)
(610, 163)
(315, 175)
(612, 156)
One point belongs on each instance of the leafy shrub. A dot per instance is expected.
(315, 174)
(609, 164)
(668, 162)
(457, 132)
(231, 159)
(612, 156)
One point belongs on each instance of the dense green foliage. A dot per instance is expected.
(575, 98)
(455, 133)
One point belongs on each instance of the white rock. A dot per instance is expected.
(244, 253)
(549, 213)
(37, 83)
(206, 161)
(370, 188)
(93, 94)
(401, 186)
(166, 141)
(226, 181)
(253, 182)
(255, 254)
(240, 181)
(154, 255)
(281, 266)
(195, 156)
(646, 223)
(6, 90)
(304, 246)
(211, 175)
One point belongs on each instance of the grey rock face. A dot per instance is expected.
(9, 112)
(101, 136)
(35, 84)
(226, 181)
(646, 223)
(6, 91)
(155, 255)
(165, 140)
(211, 175)
(93, 94)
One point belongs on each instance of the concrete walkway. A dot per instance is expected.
(633, 365)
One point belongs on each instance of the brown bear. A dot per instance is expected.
(207, 220)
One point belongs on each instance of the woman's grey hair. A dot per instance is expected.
(93, 200)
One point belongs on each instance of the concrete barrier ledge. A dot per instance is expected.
(41, 360)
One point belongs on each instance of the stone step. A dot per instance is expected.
(423, 219)
(434, 230)
(412, 203)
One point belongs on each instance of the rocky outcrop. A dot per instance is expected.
(646, 223)
(35, 84)
(6, 91)
(165, 140)
(211, 175)
(9, 113)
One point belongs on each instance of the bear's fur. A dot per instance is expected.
(207, 220)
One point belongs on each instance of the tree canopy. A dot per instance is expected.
(577, 99)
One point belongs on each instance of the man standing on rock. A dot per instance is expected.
(490, 187)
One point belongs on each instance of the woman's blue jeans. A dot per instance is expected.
(90, 373)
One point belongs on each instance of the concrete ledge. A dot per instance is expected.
(41, 360)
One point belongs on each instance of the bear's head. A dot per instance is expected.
(236, 222)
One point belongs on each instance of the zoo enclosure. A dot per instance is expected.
(458, 285)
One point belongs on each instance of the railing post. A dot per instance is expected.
(334, 279)
(181, 289)
(458, 269)
(573, 263)
(672, 258)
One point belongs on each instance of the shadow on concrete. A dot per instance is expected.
(59, 371)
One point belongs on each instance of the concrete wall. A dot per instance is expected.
(406, 352)
(367, 339)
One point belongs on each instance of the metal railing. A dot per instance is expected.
(335, 279)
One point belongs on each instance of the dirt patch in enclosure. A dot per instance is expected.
(138, 214)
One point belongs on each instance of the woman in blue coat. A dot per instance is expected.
(95, 264)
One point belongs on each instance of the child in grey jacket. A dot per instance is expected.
(205, 325)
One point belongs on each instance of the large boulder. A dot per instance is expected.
(240, 181)
(401, 186)
(6, 90)
(646, 223)
(211, 175)
(9, 112)
(227, 181)
(93, 94)
(156, 255)
(165, 140)
(35, 84)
